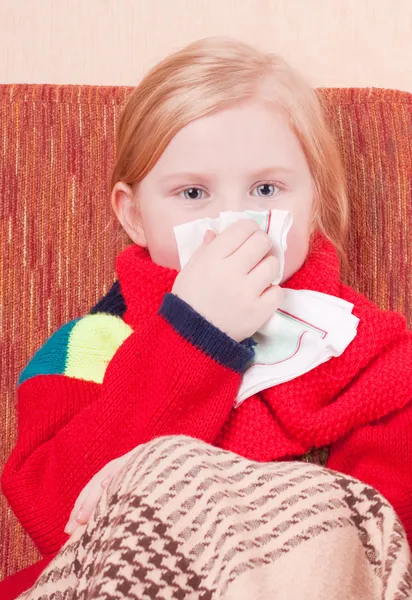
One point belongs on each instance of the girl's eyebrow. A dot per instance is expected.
(265, 172)
(187, 175)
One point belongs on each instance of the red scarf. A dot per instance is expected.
(372, 378)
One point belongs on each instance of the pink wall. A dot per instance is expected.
(335, 42)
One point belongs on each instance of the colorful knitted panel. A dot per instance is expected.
(58, 231)
(81, 348)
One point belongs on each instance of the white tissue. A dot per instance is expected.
(276, 223)
(309, 328)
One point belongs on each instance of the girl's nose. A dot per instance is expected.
(233, 203)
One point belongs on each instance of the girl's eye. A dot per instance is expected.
(192, 193)
(265, 190)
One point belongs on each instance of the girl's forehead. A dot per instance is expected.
(245, 119)
(251, 135)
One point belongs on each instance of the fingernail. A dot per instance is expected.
(209, 236)
(79, 516)
(105, 482)
(70, 527)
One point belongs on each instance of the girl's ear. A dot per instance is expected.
(126, 210)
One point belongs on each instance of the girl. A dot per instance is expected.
(215, 127)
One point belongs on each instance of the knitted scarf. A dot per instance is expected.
(372, 378)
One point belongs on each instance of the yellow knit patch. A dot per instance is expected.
(92, 344)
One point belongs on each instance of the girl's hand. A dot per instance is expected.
(92, 492)
(229, 280)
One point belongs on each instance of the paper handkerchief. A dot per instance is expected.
(276, 223)
(308, 328)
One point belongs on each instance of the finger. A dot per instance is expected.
(70, 527)
(83, 500)
(83, 510)
(93, 483)
(255, 248)
(208, 237)
(83, 495)
(106, 481)
(86, 510)
(71, 524)
(263, 275)
(272, 297)
(233, 237)
(80, 499)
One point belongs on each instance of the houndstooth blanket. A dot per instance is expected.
(185, 520)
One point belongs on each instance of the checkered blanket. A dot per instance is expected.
(185, 520)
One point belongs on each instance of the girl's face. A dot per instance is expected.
(242, 158)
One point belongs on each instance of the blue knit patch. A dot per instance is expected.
(112, 303)
(204, 335)
(51, 358)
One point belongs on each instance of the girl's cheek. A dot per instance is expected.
(298, 245)
(163, 250)
(171, 258)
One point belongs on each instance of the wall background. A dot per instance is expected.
(113, 42)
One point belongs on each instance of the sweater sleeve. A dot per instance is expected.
(380, 454)
(97, 389)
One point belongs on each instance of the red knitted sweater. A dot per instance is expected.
(114, 379)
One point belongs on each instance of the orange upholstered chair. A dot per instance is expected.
(58, 233)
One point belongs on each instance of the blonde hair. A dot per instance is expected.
(212, 74)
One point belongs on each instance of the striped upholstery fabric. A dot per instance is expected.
(59, 237)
